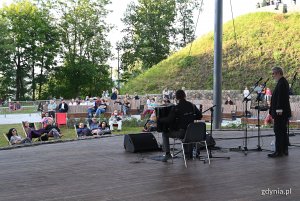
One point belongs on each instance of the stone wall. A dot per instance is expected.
(235, 95)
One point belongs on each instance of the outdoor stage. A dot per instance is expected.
(100, 169)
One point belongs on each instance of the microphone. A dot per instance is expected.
(258, 81)
(266, 82)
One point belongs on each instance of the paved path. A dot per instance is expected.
(18, 118)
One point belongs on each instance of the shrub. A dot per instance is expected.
(133, 122)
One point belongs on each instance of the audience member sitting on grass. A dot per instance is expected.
(48, 130)
(52, 130)
(94, 126)
(115, 119)
(46, 119)
(32, 133)
(14, 138)
(99, 129)
(83, 130)
(104, 128)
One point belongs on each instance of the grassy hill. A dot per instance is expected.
(263, 40)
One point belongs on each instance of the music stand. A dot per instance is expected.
(211, 109)
(259, 108)
(246, 100)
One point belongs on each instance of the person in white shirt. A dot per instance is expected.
(246, 93)
(115, 119)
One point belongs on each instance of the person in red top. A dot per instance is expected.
(268, 95)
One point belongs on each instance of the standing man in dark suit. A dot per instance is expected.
(281, 112)
(178, 120)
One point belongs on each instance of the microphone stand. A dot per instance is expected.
(259, 96)
(246, 100)
(211, 109)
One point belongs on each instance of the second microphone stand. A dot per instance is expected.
(211, 109)
(260, 108)
(246, 100)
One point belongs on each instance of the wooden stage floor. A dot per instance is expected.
(100, 169)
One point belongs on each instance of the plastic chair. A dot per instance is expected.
(195, 134)
(61, 119)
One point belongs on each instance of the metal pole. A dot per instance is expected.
(217, 96)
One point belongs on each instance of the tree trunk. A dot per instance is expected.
(40, 80)
(18, 75)
(33, 86)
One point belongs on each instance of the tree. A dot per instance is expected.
(6, 64)
(184, 21)
(148, 30)
(84, 48)
(34, 41)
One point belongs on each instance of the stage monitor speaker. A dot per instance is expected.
(140, 142)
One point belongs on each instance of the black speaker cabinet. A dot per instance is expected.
(140, 142)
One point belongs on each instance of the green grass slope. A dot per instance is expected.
(263, 40)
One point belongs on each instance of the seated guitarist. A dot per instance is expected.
(178, 119)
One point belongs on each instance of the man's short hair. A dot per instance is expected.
(277, 69)
(180, 94)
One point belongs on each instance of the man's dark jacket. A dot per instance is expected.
(280, 99)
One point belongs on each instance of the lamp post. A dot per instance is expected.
(118, 49)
